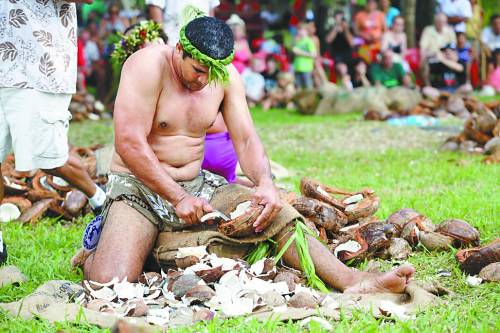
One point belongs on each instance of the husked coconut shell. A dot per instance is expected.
(411, 233)
(22, 203)
(273, 298)
(473, 260)
(492, 146)
(492, 159)
(186, 262)
(58, 183)
(150, 278)
(401, 217)
(362, 209)
(88, 159)
(435, 241)
(135, 308)
(474, 134)
(399, 249)
(321, 214)
(303, 300)
(463, 233)
(242, 220)
(491, 273)
(373, 238)
(35, 212)
(496, 129)
(184, 283)
(210, 275)
(201, 293)
(485, 120)
(14, 187)
(75, 202)
(290, 278)
(314, 189)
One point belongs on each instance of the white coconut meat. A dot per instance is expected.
(388, 308)
(158, 317)
(241, 209)
(349, 246)
(9, 212)
(59, 181)
(323, 323)
(344, 229)
(127, 290)
(320, 190)
(353, 199)
(197, 251)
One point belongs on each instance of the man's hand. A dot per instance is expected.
(190, 209)
(267, 196)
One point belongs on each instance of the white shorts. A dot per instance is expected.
(34, 125)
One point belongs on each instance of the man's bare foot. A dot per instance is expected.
(394, 281)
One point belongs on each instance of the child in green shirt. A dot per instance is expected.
(303, 63)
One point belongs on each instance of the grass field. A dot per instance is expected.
(403, 165)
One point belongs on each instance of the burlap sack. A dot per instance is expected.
(225, 199)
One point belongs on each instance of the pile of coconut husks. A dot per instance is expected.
(31, 195)
(346, 223)
(84, 106)
(481, 133)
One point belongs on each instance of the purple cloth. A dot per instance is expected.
(220, 157)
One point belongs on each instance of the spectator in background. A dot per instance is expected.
(253, 81)
(319, 75)
(282, 95)
(343, 77)
(448, 73)
(491, 35)
(390, 12)
(395, 40)
(303, 63)
(434, 37)
(270, 16)
(457, 11)
(113, 22)
(493, 79)
(242, 52)
(359, 78)
(170, 13)
(389, 73)
(369, 24)
(271, 72)
(340, 39)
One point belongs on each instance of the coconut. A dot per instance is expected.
(242, 220)
(290, 278)
(321, 214)
(184, 283)
(9, 212)
(491, 273)
(475, 259)
(200, 293)
(303, 300)
(399, 249)
(463, 233)
(434, 241)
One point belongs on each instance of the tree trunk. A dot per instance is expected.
(409, 12)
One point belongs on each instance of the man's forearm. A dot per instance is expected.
(254, 163)
(143, 163)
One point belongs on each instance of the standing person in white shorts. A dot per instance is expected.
(37, 78)
(170, 14)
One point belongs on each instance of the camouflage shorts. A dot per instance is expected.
(126, 187)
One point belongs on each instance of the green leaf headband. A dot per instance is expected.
(146, 31)
(217, 71)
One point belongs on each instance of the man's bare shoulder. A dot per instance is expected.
(149, 60)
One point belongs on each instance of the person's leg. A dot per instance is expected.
(75, 173)
(125, 243)
(336, 274)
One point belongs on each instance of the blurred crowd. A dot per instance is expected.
(278, 51)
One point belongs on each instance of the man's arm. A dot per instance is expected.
(135, 107)
(250, 151)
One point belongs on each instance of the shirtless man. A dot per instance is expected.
(167, 99)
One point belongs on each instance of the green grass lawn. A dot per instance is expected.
(403, 165)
